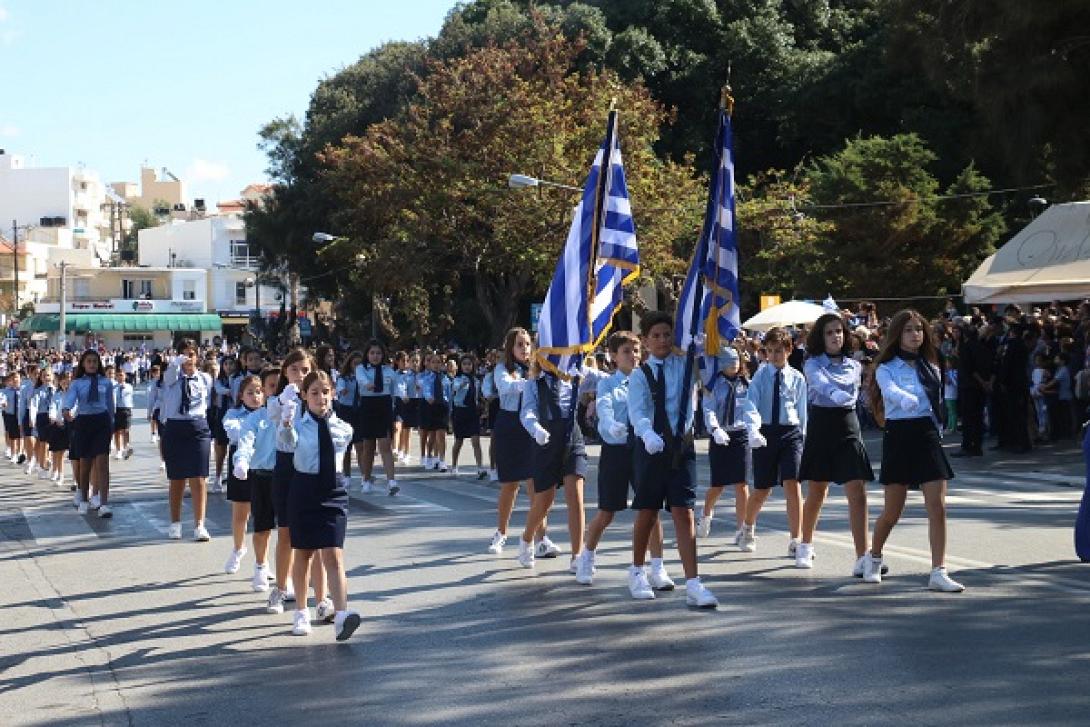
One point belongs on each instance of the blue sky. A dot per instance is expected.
(113, 84)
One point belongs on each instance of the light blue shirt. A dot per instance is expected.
(9, 397)
(488, 385)
(404, 382)
(793, 395)
(641, 407)
(233, 420)
(412, 384)
(833, 383)
(715, 401)
(155, 392)
(903, 396)
(530, 415)
(367, 375)
(224, 391)
(56, 407)
(257, 442)
(460, 392)
(26, 391)
(77, 396)
(509, 386)
(427, 385)
(123, 397)
(200, 394)
(39, 401)
(302, 439)
(611, 405)
(346, 390)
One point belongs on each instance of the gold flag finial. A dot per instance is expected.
(726, 100)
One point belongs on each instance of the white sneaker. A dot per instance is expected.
(546, 548)
(857, 569)
(260, 582)
(704, 526)
(804, 555)
(82, 507)
(44, 474)
(749, 539)
(659, 579)
(76, 499)
(216, 487)
(583, 574)
(426, 462)
(155, 439)
(174, 532)
(162, 465)
(392, 488)
(442, 467)
(95, 502)
(498, 541)
(29, 467)
(699, 596)
(345, 624)
(234, 561)
(275, 604)
(200, 534)
(872, 568)
(493, 476)
(526, 554)
(117, 455)
(289, 593)
(105, 512)
(456, 472)
(638, 585)
(326, 612)
(739, 536)
(792, 547)
(941, 581)
(300, 623)
(592, 559)
(366, 487)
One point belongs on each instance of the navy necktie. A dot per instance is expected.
(732, 394)
(184, 408)
(378, 378)
(776, 397)
(92, 393)
(662, 419)
(437, 387)
(471, 393)
(326, 468)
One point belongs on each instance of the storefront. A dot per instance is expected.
(127, 330)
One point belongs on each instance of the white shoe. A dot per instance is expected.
(792, 547)
(117, 455)
(739, 536)
(493, 476)
(804, 555)
(526, 554)
(442, 467)
(325, 611)
(289, 593)
(95, 502)
(82, 507)
(366, 487)
(300, 623)
(699, 596)
(584, 576)
(857, 569)
(456, 472)
(275, 604)
(592, 559)
(638, 585)
(392, 488)
(498, 541)
(749, 539)
(872, 568)
(44, 474)
(105, 512)
(29, 467)
(234, 561)
(659, 579)
(572, 567)
(216, 487)
(546, 548)
(704, 526)
(76, 499)
(345, 624)
(200, 534)
(941, 581)
(174, 532)
(154, 438)
(260, 582)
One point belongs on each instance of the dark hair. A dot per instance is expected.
(472, 358)
(776, 337)
(620, 338)
(294, 356)
(509, 346)
(269, 371)
(319, 358)
(374, 342)
(246, 381)
(223, 376)
(888, 351)
(183, 343)
(82, 358)
(653, 318)
(815, 342)
(313, 376)
(347, 367)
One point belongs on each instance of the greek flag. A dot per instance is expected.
(599, 258)
(707, 311)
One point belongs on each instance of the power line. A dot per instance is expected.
(917, 200)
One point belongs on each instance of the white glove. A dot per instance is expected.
(699, 340)
(909, 401)
(721, 437)
(841, 397)
(290, 393)
(240, 472)
(652, 442)
(757, 440)
(287, 412)
(541, 435)
(180, 359)
(618, 430)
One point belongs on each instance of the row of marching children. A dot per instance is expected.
(792, 426)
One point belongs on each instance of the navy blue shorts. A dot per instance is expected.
(728, 464)
(281, 482)
(778, 460)
(658, 484)
(559, 458)
(614, 477)
(11, 426)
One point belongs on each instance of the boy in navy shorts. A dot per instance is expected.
(664, 461)
(778, 391)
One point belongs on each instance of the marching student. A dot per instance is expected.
(91, 394)
(834, 450)
(514, 446)
(223, 400)
(254, 462)
(375, 419)
(778, 392)
(436, 387)
(400, 393)
(615, 463)
(58, 441)
(732, 420)
(186, 438)
(295, 367)
(26, 423)
(492, 402)
(410, 402)
(318, 508)
(346, 406)
(9, 403)
(155, 392)
(466, 412)
(252, 363)
(43, 427)
(251, 399)
(123, 401)
(907, 396)
(664, 462)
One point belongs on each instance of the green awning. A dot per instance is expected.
(128, 322)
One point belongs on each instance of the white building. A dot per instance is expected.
(218, 245)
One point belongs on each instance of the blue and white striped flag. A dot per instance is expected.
(712, 281)
(600, 257)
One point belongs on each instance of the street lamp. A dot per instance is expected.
(525, 181)
(15, 227)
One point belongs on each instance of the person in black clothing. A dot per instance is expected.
(974, 383)
(1014, 374)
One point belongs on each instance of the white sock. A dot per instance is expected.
(692, 582)
(656, 563)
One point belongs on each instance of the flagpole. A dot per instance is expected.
(601, 192)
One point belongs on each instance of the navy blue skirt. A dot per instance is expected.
(43, 428)
(728, 464)
(91, 435)
(318, 512)
(11, 426)
(187, 444)
(514, 448)
(60, 437)
(466, 421)
(374, 418)
(412, 413)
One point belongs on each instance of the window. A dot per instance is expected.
(145, 289)
(240, 293)
(81, 288)
(241, 255)
(189, 290)
(136, 289)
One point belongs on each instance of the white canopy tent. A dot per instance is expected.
(1048, 260)
(791, 313)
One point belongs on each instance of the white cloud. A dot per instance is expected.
(9, 130)
(3, 14)
(203, 170)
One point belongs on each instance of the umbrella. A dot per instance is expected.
(791, 313)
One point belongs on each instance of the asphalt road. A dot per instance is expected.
(107, 622)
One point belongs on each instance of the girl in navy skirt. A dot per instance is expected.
(466, 412)
(492, 404)
(222, 402)
(419, 405)
(123, 401)
(155, 390)
(347, 403)
(43, 426)
(907, 397)
(834, 450)
(187, 438)
(375, 418)
(730, 418)
(91, 394)
(400, 449)
(9, 404)
(58, 442)
(318, 506)
(251, 398)
(410, 405)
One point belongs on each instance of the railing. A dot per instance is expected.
(247, 262)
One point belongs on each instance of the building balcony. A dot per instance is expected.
(245, 262)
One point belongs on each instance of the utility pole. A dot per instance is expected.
(15, 267)
(64, 303)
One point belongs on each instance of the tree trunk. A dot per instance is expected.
(498, 297)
